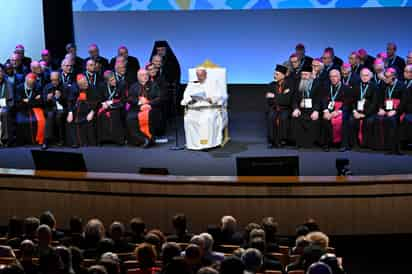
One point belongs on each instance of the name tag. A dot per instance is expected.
(361, 105)
(3, 102)
(389, 105)
(331, 106)
(307, 103)
(59, 106)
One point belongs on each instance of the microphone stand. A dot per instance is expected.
(174, 88)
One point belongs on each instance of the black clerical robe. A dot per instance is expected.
(406, 116)
(365, 101)
(387, 127)
(110, 123)
(30, 119)
(55, 110)
(6, 105)
(81, 103)
(305, 130)
(334, 99)
(279, 100)
(144, 111)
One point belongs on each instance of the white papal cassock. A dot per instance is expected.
(204, 121)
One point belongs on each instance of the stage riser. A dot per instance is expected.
(341, 209)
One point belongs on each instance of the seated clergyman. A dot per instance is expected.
(206, 116)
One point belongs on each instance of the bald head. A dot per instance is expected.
(408, 72)
(55, 78)
(91, 66)
(142, 76)
(366, 75)
(334, 76)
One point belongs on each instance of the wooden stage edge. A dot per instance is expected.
(353, 205)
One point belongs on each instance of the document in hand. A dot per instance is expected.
(200, 96)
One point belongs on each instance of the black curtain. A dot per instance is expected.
(58, 26)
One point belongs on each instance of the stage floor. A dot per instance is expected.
(248, 139)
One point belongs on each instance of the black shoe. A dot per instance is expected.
(44, 146)
(60, 144)
(325, 148)
(75, 146)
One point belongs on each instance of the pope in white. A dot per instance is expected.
(206, 115)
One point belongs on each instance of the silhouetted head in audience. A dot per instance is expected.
(137, 226)
(76, 225)
(270, 226)
(27, 250)
(94, 231)
(257, 233)
(97, 269)
(300, 244)
(232, 265)
(146, 255)
(193, 257)
(15, 227)
(319, 268)
(44, 236)
(104, 245)
(179, 223)
(332, 261)
(66, 258)
(301, 230)
(258, 243)
(208, 242)
(248, 228)
(228, 224)
(111, 262)
(318, 238)
(154, 240)
(30, 227)
(200, 242)
(47, 218)
(252, 259)
(169, 251)
(117, 231)
(207, 270)
(311, 254)
(177, 266)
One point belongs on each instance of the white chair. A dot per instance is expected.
(214, 73)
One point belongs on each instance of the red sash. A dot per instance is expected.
(337, 124)
(143, 117)
(41, 125)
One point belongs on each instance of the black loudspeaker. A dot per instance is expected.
(268, 166)
(154, 171)
(58, 160)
